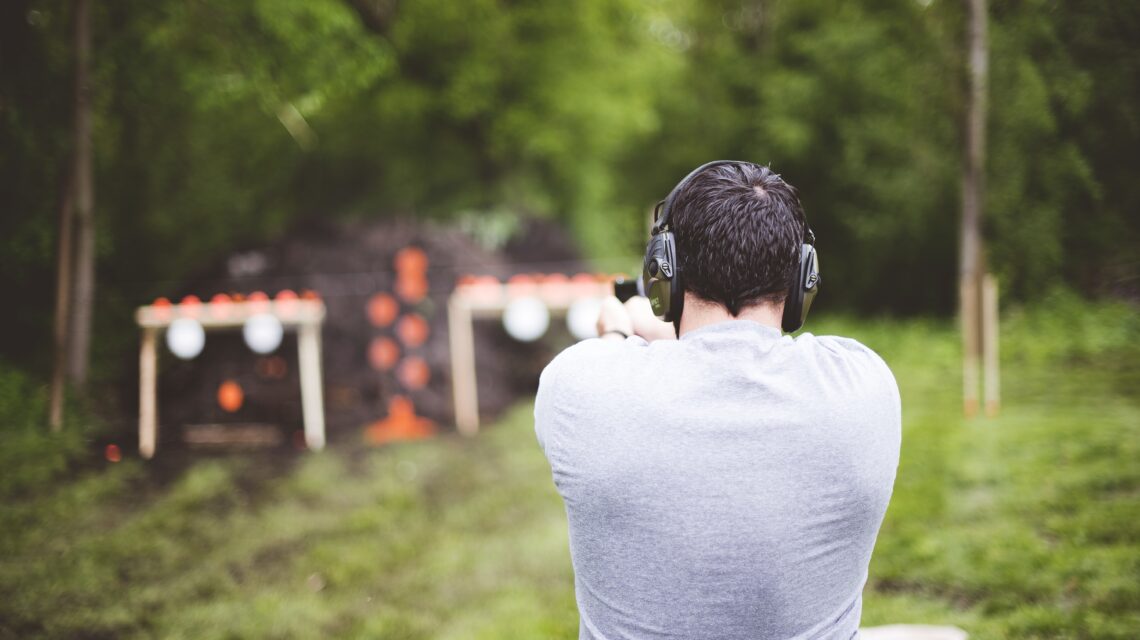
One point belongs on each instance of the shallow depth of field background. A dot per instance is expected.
(234, 129)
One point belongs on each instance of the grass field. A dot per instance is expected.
(1025, 526)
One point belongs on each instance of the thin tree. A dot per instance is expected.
(75, 278)
(971, 259)
(64, 274)
(84, 291)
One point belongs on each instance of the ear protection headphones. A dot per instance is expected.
(662, 275)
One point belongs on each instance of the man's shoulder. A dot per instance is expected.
(580, 382)
(850, 355)
(593, 355)
(840, 346)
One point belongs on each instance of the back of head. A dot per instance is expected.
(739, 229)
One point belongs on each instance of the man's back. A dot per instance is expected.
(726, 485)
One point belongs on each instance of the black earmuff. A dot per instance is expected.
(661, 269)
(805, 287)
(662, 278)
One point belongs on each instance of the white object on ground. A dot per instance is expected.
(185, 338)
(263, 333)
(526, 319)
(912, 632)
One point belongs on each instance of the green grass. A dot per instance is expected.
(1024, 526)
(1027, 525)
(442, 539)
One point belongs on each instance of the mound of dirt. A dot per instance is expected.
(352, 267)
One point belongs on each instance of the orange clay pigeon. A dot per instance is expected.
(402, 423)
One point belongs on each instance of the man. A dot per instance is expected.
(729, 483)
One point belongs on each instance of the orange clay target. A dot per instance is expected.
(411, 274)
(162, 309)
(402, 423)
(382, 310)
(286, 303)
(411, 261)
(272, 367)
(190, 306)
(230, 396)
(414, 373)
(413, 330)
(383, 354)
(259, 301)
(411, 287)
(220, 305)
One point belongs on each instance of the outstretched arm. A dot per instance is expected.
(635, 317)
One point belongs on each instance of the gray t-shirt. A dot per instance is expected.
(729, 484)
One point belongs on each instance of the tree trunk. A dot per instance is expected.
(84, 291)
(973, 190)
(63, 283)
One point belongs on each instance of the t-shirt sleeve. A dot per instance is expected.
(890, 387)
(855, 362)
(579, 373)
(544, 405)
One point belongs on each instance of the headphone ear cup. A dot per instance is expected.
(673, 273)
(803, 292)
(661, 277)
(811, 284)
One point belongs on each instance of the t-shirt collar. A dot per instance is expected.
(734, 327)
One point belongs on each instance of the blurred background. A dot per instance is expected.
(173, 148)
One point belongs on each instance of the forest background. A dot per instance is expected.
(219, 125)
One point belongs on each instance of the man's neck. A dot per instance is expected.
(702, 313)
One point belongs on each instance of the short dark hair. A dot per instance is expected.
(738, 228)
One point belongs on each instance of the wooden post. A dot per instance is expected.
(148, 395)
(312, 404)
(990, 345)
(462, 338)
(971, 341)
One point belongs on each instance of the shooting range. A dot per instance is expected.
(280, 279)
(384, 294)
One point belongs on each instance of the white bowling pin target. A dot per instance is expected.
(526, 319)
(582, 318)
(263, 333)
(185, 338)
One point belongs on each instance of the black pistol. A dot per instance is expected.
(625, 287)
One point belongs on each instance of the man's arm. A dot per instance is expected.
(635, 317)
(614, 322)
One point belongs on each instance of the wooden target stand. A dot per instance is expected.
(304, 315)
(487, 297)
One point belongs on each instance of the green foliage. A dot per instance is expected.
(850, 102)
(220, 124)
(1032, 204)
(212, 121)
(1063, 329)
(31, 456)
(34, 110)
